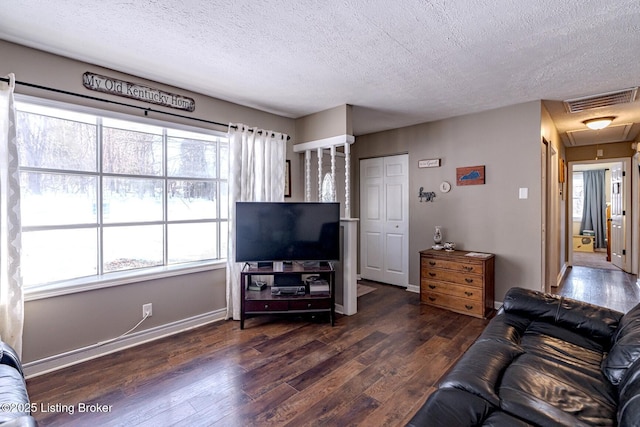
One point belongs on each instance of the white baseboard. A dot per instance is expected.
(73, 357)
(561, 274)
(413, 288)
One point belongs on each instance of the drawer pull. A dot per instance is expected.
(432, 263)
(432, 299)
(266, 306)
(467, 268)
(468, 307)
(432, 274)
(309, 305)
(432, 286)
(467, 293)
(468, 280)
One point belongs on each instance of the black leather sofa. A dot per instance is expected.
(15, 408)
(544, 360)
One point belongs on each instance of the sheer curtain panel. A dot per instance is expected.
(11, 301)
(256, 174)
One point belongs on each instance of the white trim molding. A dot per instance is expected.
(73, 357)
(324, 143)
(413, 288)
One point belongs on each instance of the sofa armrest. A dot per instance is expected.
(629, 397)
(13, 390)
(8, 356)
(451, 407)
(596, 322)
(481, 375)
(13, 395)
(23, 421)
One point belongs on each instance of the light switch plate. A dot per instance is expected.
(524, 193)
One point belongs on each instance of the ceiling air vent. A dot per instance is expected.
(577, 105)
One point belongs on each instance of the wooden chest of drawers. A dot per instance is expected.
(457, 281)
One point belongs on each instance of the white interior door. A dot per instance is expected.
(384, 220)
(618, 253)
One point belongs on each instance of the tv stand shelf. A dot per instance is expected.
(262, 302)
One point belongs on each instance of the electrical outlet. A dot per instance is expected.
(147, 310)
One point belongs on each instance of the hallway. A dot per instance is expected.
(593, 260)
(610, 288)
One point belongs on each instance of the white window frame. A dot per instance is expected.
(573, 194)
(118, 278)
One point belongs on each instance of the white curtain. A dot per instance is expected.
(256, 174)
(11, 302)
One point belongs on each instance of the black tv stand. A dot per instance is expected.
(260, 302)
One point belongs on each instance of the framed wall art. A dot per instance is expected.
(470, 175)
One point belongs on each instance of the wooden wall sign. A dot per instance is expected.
(429, 163)
(135, 91)
(470, 175)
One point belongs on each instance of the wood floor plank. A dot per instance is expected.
(325, 387)
(263, 379)
(356, 412)
(325, 410)
(405, 394)
(246, 415)
(323, 368)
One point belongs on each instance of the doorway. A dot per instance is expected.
(603, 243)
(384, 219)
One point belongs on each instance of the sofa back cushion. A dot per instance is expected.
(625, 349)
(592, 321)
(480, 369)
(447, 407)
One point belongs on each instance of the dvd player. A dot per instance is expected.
(288, 290)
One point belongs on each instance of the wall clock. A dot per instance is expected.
(445, 186)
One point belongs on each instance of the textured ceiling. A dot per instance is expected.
(398, 63)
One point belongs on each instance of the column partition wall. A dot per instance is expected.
(346, 272)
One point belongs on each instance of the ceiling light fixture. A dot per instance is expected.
(599, 123)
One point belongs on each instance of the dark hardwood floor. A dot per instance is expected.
(607, 287)
(374, 368)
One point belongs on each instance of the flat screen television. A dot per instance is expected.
(273, 231)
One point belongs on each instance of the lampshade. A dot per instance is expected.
(598, 123)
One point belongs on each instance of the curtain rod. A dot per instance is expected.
(123, 104)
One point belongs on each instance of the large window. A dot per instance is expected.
(103, 195)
